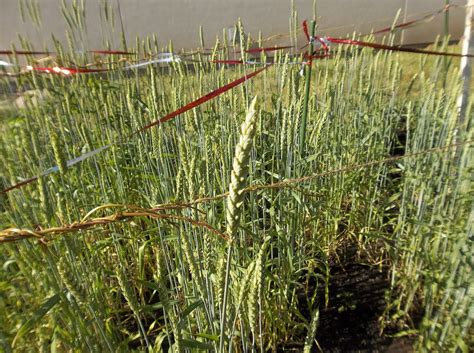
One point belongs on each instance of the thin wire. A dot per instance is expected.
(15, 234)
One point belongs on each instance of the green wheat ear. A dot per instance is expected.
(311, 335)
(255, 290)
(75, 288)
(239, 171)
(234, 202)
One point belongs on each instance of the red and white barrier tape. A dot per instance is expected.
(412, 23)
(66, 71)
(360, 43)
(203, 99)
(101, 52)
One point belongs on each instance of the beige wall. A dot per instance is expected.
(179, 20)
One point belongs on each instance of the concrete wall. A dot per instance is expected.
(179, 20)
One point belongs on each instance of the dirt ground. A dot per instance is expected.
(351, 320)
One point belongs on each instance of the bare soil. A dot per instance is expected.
(351, 320)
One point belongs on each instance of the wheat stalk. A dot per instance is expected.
(234, 202)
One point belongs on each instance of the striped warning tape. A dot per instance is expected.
(394, 48)
(28, 52)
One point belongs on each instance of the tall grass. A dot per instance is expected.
(154, 284)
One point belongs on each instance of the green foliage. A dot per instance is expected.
(155, 284)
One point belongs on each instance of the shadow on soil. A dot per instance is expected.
(351, 323)
(351, 320)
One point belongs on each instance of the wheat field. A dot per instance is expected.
(220, 229)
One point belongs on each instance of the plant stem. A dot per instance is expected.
(466, 67)
(307, 90)
(446, 40)
(224, 303)
(446, 19)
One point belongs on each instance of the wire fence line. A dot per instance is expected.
(166, 58)
(130, 212)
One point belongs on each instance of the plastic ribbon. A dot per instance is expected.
(394, 48)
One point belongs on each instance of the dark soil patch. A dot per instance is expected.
(351, 320)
